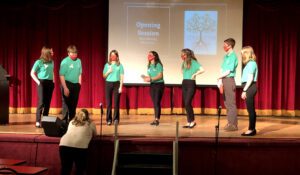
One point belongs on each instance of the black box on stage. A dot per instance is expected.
(54, 126)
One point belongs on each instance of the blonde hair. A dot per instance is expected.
(117, 54)
(247, 54)
(46, 54)
(81, 118)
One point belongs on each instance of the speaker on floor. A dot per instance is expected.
(54, 126)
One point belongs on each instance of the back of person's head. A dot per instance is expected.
(81, 118)
(230, 41)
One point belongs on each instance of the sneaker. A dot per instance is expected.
(155, 123)
(187, 125)
(116, 122)
(192, 124)
(108, 123)
(38, 124)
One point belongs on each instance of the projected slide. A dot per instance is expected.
(148, 28)
(167, 26)
(200, 31)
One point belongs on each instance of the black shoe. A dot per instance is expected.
(155, 123)
(108, 123)
(252, 133)
(192, 125)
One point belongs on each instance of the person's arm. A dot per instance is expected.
(249, 81)
(200, 71)
(63, 83)
(79, 79)
(34, 77)
(53, 77)
(107, 72)
(224, 74)
(94, 129)
(121, 83)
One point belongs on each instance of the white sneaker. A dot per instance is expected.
(37, 124)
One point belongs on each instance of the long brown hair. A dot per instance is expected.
(117, 54)
(46, 55)
(81, 118)
(189, 57)
(248, 54)
(156, 59)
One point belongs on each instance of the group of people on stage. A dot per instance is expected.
(70, 77)
(113, 72)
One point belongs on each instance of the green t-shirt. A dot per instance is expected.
(116, 72)
(230, 62)
(187, 73)
(250, 68)
(153, 71)
(70, 69)
(44, 70)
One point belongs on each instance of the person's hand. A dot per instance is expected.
(147, 79)
(120, 89)
(193, 77)
(66, 92)
(244, 95)
(219, 83)
(110, 69)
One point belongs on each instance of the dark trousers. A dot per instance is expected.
(72, 100)
(65, 110)
(112, 88)
(68, 155)
(45, 90)
(229, 100)
(156, 93)
(188, 92)
(251, 92)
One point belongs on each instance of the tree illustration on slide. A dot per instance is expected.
(200, 24)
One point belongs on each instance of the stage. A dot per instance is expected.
(275, 149)
(139, 126)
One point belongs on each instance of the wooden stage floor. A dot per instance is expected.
(138, 126)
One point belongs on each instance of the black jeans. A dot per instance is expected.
(156, 93)
(68, 155)
(112, 88)
(72, 100)
(45, 90)
(188, 92)
(251, 92)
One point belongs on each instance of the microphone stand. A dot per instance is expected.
(217, 128)
(101, 116)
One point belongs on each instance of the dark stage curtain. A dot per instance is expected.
(271, 27)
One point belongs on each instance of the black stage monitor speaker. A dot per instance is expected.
(54, 126)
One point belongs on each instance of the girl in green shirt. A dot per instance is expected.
(113, 73)
(249, 78)
(156, 79)
(42, 74)
(190, 69)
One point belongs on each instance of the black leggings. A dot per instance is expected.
(69, 155)
(45, 90)
(156, 92)
(112, 88)
(251, 92)
(188, 92)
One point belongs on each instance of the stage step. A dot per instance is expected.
(144, 163)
